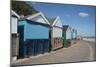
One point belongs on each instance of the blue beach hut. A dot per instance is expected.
(34, 35)
(74, 36)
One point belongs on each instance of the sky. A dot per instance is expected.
(79, 17)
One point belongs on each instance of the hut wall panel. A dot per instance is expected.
(57, 38)
(36, 32)
(35, 39)
(15, 45)
(58, 23)
(73, 38)
(68, 34)
(74, 35)
(57, 35)
(57, 32)
(14, 25)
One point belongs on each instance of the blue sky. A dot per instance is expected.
(79, 17)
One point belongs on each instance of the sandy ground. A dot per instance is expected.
(82, 51)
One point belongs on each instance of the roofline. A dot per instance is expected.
(33, 15)
(55, 20)
(69, 27)
(37, 14)
(14, 13)
(46, 25)
(44, 18)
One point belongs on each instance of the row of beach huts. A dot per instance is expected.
(35, 34)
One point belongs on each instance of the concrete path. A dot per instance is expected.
(82, 51)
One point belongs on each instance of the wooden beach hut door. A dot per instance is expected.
(21, 43)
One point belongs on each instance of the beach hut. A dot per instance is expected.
(33, 35)
(74, 36)
(56, 33)
(66, 35)
(14, 35)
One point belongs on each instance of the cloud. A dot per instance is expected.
(83, 14)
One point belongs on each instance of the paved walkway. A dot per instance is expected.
(82, 51)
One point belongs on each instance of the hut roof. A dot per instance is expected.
(30, 17)
(13, 13)
(66, 27)
(51, 20)
(55, 20)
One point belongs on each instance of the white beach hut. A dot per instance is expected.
(14, 35)
(56, 33)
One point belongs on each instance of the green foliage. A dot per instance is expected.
(22, 8)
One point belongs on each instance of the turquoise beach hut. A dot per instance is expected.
(33, 35)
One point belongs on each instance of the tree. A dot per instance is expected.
(22, 8)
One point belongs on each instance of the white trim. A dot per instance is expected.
(14, 13)
(37, 14)
(45, 18)
(69, 28)
(33, 16)
(55, 21)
